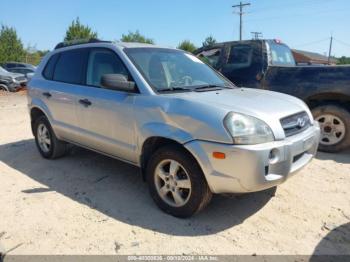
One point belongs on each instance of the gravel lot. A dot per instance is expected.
(86, 203)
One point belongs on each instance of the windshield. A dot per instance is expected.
(281, 55)
(3, 71)
(175, 70)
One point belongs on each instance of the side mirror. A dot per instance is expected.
(117, 82)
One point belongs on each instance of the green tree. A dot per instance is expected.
(33, 55)
(136, 37)
(78, 31)
(209, 41)
(187, 45)
(11, 47)
(343, 60)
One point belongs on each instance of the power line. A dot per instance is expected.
(341, 42)
(296, 4)
(241, 5)
(313, 42)
(304, 14)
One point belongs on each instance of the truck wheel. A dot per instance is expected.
(176, 182)
(46, 141)
(335, 127)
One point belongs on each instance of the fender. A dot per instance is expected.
(39, 104)
(164, 130)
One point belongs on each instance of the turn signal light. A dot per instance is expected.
(219, 155)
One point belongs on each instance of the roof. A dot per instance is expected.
(97, 41)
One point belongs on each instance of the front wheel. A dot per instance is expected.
(335, 127)
(176, 182)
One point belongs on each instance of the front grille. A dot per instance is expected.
(20, 78)
(295, 124)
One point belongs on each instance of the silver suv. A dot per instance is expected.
(190, 130)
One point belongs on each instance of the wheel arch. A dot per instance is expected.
(334, 98)
(152, 144)
(35, 113)
(3, 86)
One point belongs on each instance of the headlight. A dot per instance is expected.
(247, 130)
(7, 79)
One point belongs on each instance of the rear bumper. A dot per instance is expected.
(250, 168)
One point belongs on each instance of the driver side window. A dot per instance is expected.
(101, 62)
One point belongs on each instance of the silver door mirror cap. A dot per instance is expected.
(117, 82)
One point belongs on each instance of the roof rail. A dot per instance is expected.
(79, 42)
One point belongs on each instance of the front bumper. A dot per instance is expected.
(250, 168)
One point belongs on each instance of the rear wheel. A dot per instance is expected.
(176, 182)
(335, 127)
(47, 143)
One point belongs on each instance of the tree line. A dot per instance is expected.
(12, 49)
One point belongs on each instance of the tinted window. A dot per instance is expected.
(10, 65)
(240, 55)
(70, 67)
(50, 66)
(101, 62)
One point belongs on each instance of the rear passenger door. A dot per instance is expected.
(65, 72)
(105, 116)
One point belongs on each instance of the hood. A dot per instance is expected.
(265, 105)
(3, 73)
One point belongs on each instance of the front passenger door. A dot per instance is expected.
(106, 116)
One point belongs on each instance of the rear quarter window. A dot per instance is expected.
(240, 56)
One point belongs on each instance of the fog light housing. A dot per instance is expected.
(273, 156)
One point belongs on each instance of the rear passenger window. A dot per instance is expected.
(101, 62)
(50, 66)
(70, 67)
(240, 56)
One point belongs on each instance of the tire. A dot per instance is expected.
(194, 198)
(335, 127)
(4, 88)
(56, 148)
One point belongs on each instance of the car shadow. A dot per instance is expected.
(117, 190)
(335, 243)
(341, 157)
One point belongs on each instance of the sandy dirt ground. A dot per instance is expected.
(86, 203)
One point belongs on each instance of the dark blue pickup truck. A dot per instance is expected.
(269, 64)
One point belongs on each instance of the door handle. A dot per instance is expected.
(47, 94)
(85, 102)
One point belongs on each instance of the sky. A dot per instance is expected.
(302, 24)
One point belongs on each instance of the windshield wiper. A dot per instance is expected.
(209, 88)
(171, 89)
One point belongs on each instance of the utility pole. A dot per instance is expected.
(256, 35)
(330, 50)
(241, 5)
